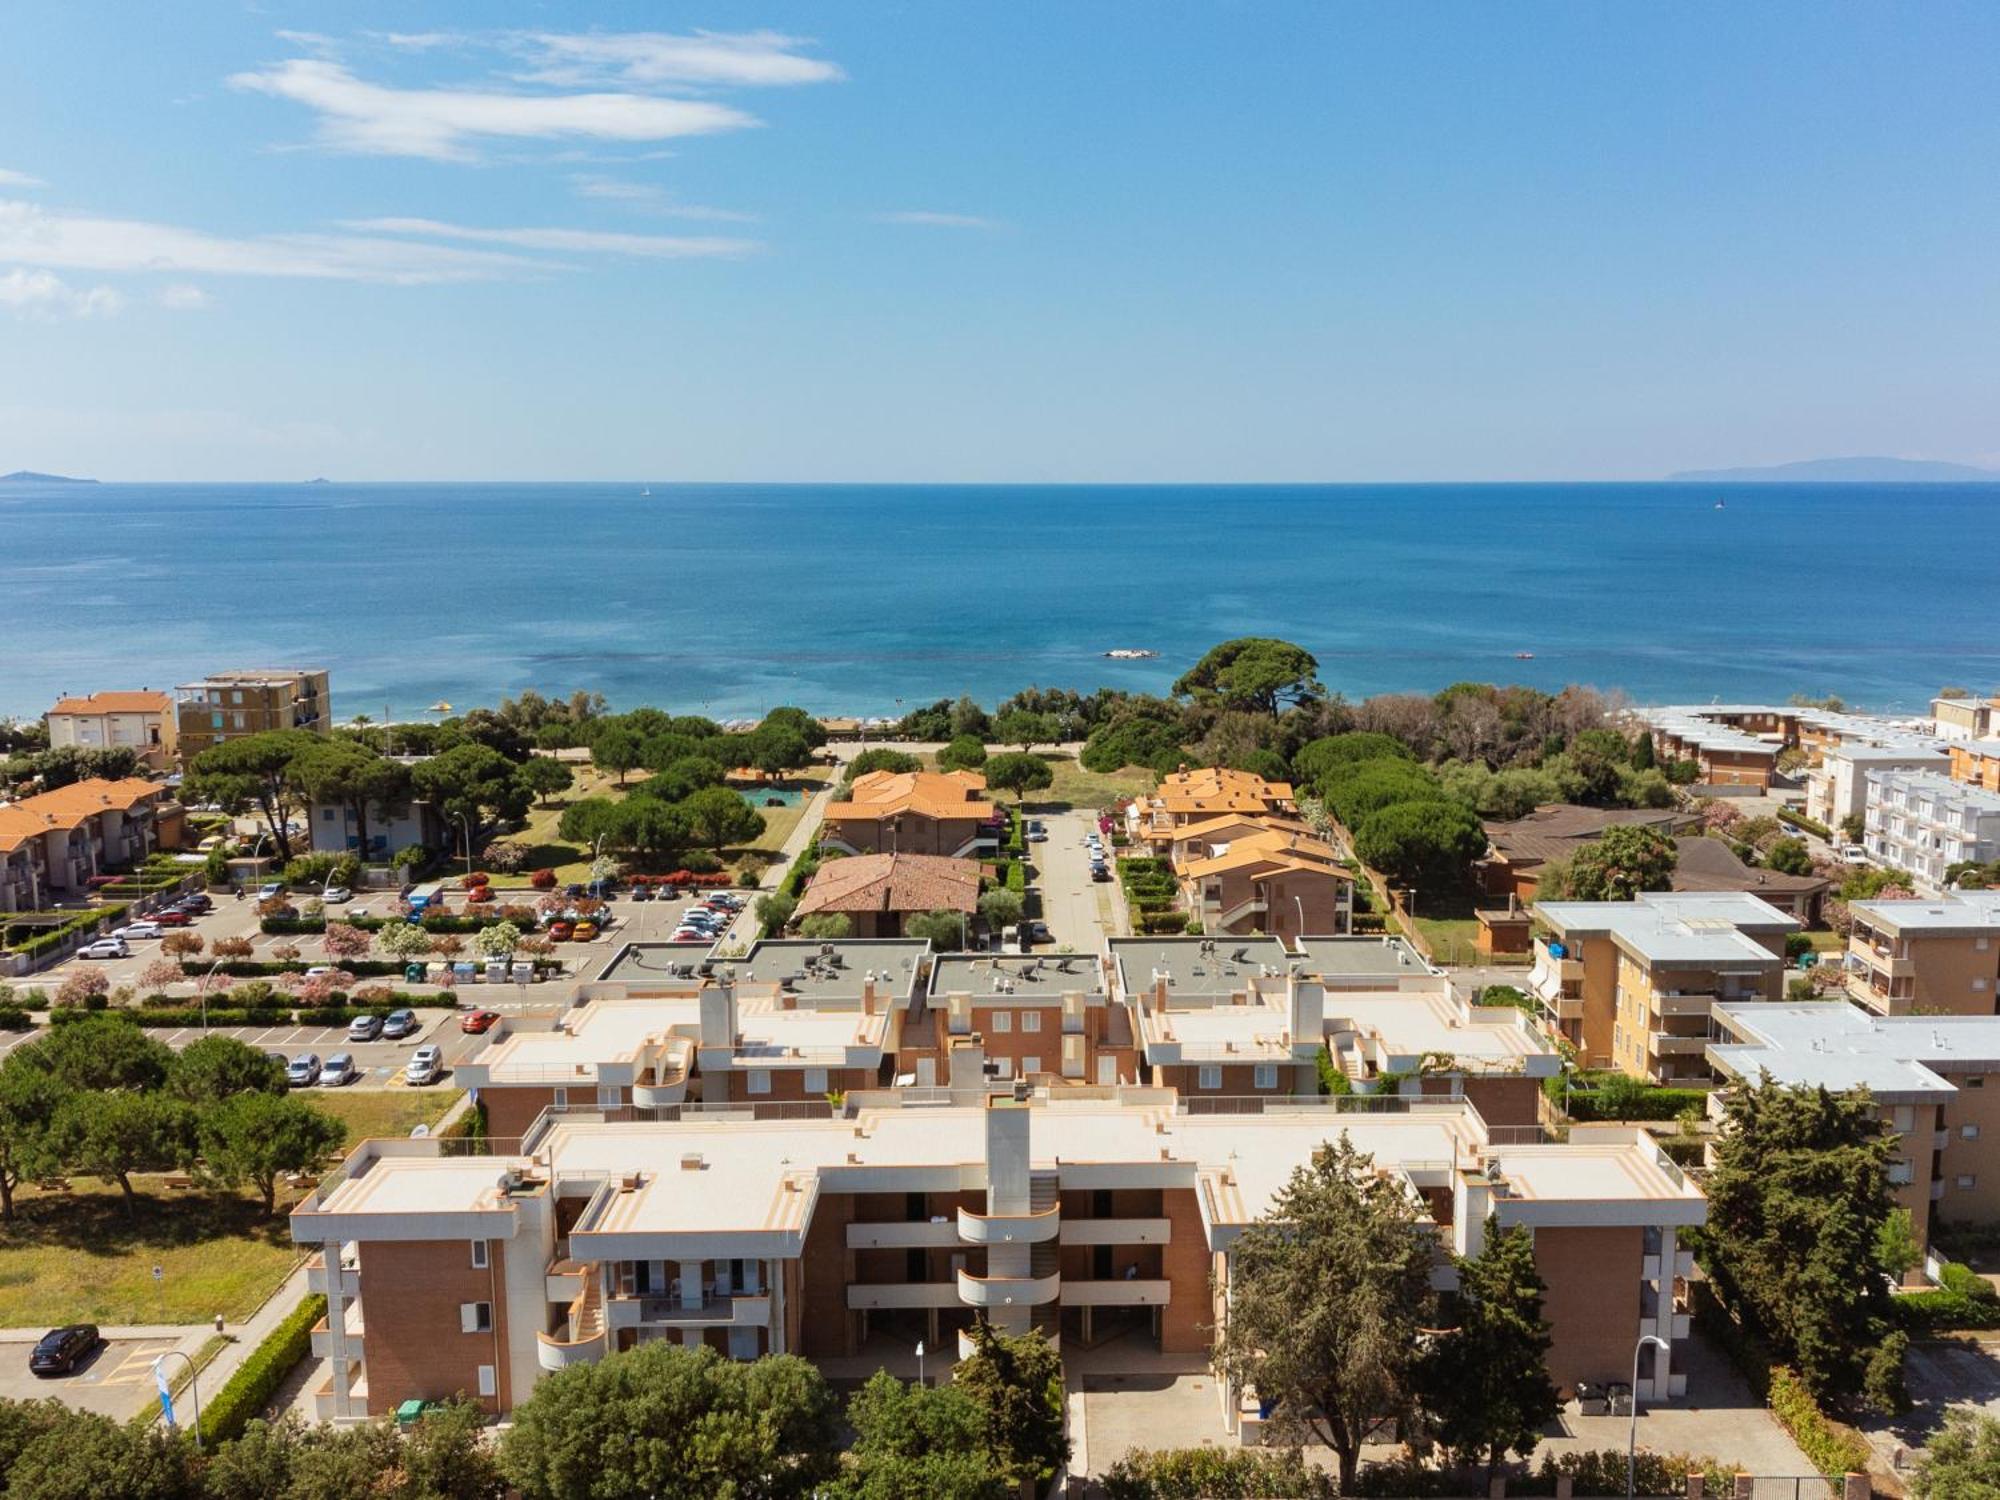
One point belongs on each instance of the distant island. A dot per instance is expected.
(29, 476)
(1843, 471)
(321, 480)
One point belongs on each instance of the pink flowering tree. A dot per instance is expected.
(160, 973)
(81, 986)
(343, 940)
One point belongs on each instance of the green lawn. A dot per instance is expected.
(1826, 940)
(780, 821)
(74, 1257)
(371, 1114)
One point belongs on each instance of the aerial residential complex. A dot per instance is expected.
(142, 722)
(1923, 823)
(1630, 984)
(914, 812)
(1938, 956)
(229, 705)
(54, 843)
(1931, 1076)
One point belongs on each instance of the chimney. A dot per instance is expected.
(868, 994)
(718, 1014)
(968, 1066)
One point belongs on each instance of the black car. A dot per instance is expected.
(63, 1349)
(642, 893)
(197, 903)
(574, 890)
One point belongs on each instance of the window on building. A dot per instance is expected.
(487, 1384)
(815, 1080)
(1030, 1065)
(1003, 1020)
(607, 1096)
(1031, 1020)
(1973, 1081)
(479, 1260)
(760, 1081)
(1265, 1076)
(559, 1098)
(1208, 1076)
(475, 1317)
(1967, 1182)
(1968, 1132)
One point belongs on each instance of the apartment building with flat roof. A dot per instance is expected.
(229, 705)
(1837, 787)
(1629, 984)
(1976, 763)
(1965, 718)
(1935, 1081)
(896, 1219)
(1050, 1018)
(1922, 823)
(142, 722)
(1940, 955)
(1728, 755)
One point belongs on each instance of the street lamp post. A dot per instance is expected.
(920, 1362)
(466, 823)
(201, 990)
(194, 1384)
(1632, 1442)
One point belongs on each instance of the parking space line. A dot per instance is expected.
(137, 1366)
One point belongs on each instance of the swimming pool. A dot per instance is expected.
(764, 796)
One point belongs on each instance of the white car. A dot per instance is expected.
(1854, 854)
(339, 1069)
(318, 971)
(131, 932)
(270, 890)
(335, 894)
(426, 1065)
(110, 947)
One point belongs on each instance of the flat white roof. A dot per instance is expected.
(597, 1032)
(1421, 1022)
(1960, 911)
(1677, 927)
(1837, 1046)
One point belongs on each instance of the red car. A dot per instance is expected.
(559, 932)
(479, 893)
(170, 918)
(478, 1021)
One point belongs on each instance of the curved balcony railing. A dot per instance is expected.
(1032, 1228)
(1008, 1291)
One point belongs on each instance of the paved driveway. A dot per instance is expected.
(118, 1380)
(1079, 910)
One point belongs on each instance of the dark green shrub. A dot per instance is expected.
(245, 1394)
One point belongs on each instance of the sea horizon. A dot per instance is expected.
(855, 598)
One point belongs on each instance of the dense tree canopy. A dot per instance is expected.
(1256, 672)
(1486, 1381)
(1627, 859)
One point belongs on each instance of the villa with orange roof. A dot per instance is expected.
(1186, 797)
(142, 722)
(914, 812)
(52, 843)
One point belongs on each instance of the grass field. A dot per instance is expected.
(1076, 787)
(370, 1114)
(74, 1257)
(780, 821)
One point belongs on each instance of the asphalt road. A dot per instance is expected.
(1079, 910)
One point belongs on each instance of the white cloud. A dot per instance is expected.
(315, 42)
(43, 295)
(443, 123)
(934, 220)
(19, 180)
(182, 296)
(30, 235)
(418, 41)
(751, 59)
(577, 241)
(652, 198)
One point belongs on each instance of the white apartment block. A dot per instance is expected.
(1922, 824)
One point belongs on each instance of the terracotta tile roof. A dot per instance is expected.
(929, 794)
(114, 703)
(1240, 823)
(1275, 849)
(70, 806)
(1220, 780)
(892, 883)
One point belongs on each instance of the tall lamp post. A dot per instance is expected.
(1632, 1442)
(194, 1384)
(466, 823)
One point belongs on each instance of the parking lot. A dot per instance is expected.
(117, 1381)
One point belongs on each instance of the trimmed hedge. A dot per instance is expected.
(1832, 1449)
(47, 941)
(245, 1394)
(1218, 1474)
(253, 968)
(1964, 1300)
(1800, 820)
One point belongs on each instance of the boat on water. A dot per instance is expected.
(1719, 505)
(1524, 656)
(1127, 653)
(647, 490)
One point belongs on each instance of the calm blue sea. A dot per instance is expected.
(728, 599)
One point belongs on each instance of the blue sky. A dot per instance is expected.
(1023, 241)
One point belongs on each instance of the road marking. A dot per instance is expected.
(137, 1366)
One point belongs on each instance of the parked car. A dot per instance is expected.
(399, 1024)
(270, 890)
(1100, 872)
(109, 947)
(583, 932)
(1034, 932)
(197, 903)
(339, 1070)
(173, 916)
(561, 932)
(303, 1071)
(642, 893)
(319, 971)
(1854, 854)
(364, 1028)
(335, 894)
(478, 1021)
(426, 1065)
(133, 931)
(61, 1350)
(573, 890)
(691, 935)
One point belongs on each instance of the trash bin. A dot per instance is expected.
(414, 973)
(409, 1411)
(496, 972)
(524, 972)
(462, 973)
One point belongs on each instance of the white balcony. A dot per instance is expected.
(1116, 1231)
(1683, 1325)
(1007, 1291)
(320, 1279)
(923, 1234)
(1668, 1044)
(1009, 1229)
(1116, 1293)
(748, 1311)
(904, 1295)
(322, 1333)
(557, 1352)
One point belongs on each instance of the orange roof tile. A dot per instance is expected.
(929, 794)
(114, 703)
(69, 806)
(892, 883)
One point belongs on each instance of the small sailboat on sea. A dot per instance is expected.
(1718, 505)
(646, 490)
